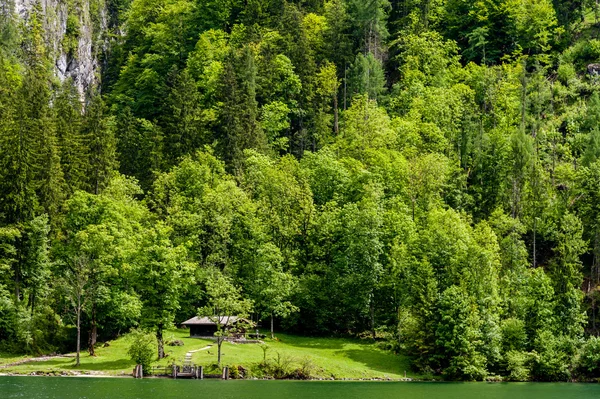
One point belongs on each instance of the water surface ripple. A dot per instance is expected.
(129, 388)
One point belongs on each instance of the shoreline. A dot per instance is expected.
(102, 375)
(160, 377)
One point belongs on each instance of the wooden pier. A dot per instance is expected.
(187, 370)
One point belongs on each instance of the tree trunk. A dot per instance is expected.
(336, 118)
(18, 284)
(594, 276)
(426, 14)
(345, 84)
(514, 196)
(534, 237)
(78, 329)
(272, 333)
(93, 333)
(161, 344)
(32, 300)
(219, 343)
(372, 310)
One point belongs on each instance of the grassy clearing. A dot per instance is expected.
(110, 360)
(6, 358)
(327, 357)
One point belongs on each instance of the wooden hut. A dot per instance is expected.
(207, 327)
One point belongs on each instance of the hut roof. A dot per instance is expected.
(208, 321)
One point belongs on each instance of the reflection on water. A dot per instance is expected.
(127, 388)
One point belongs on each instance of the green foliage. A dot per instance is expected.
(142, 349)
(457, 337)
(224, 300)
(587, 362)
(162, 270)
(364, 126)
(280, 366)
(551, 358)
(366, 77)
(99, 132)
(514, 335)
(426, 171)
(517, 366)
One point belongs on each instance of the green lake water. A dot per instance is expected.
(100, 388)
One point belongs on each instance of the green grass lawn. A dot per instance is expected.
(328, 357)
(6, 358)
(111, 360)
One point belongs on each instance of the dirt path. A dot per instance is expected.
(201, 349)
(188, 355)
(33, 359)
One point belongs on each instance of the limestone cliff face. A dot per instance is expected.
(74, 35)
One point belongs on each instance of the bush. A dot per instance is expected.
(587, 362)
(281, 366)
(142, 349)
(517, 366)
(213, 368)
(581, 54)
(265, 348)
(514, 336)
(175, 342)
(237, 372)
(552, 357)
(305, 371)
(468, 368)
(566, 72)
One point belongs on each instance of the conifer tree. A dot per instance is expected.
(98, 131)
(370, 23)
(338, 44)
(183, 118)
(366, 76)
(239, 114)
(71, 141)
(37, 131)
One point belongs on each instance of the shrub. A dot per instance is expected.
(305, 371)
(552, 357)
(281, 366)
(259, 370)
(566, 72)
(581, 54)
(237, 372)
(514, 336)
(234, 372)
(142, 349)
(587, 362)
(265, 349)
(468, 368)
(517, 366)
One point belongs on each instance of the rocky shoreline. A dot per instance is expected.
(100, 374)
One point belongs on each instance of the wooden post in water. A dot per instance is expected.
(200, 372)
(138, 371)
(225, 374)
(174, 372)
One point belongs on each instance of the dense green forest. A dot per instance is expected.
(424, 172)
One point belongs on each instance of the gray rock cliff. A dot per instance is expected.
(74, 34)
